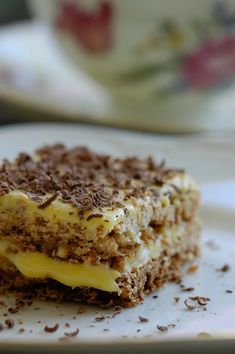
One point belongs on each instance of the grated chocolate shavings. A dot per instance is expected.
(116, 310)
(229, 291)
(66, 325)
(9, 323)
(143, 319)
(2, 303)
(49, 201)
(224, 269)
(155, 296)
(72, 334)
(94, 216)
(201, 300)
(14, 309)
(162, 328)
(183, 288)
(100, 318)
(1, 327)
(177, 299)
(189, 306)
(19, 304)
(81, 177)
(21, 330)
(51, 329)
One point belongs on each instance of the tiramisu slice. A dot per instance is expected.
(88, 227)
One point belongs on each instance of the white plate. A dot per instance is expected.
(211, 161)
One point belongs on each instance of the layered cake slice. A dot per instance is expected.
(82, 226)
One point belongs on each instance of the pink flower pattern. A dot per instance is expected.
(206, 66)
(210, 64)
(91, 29)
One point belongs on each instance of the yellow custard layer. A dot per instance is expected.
(135, 217)
(39, 265)
(19, 203)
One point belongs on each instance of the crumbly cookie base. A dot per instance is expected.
(63, 239)
(134, 286)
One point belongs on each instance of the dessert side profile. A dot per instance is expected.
(82, 226)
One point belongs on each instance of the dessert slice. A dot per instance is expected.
(88, 227)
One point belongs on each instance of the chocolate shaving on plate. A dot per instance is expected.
(100, 318)
(143, 319)
(183, 288)
(51, 329)
(116, 310)
(14, 309)
(201, 300)
(9, 323)
(189, 307)
(162, 328)
(224, 269)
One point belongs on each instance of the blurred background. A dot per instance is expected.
(38, 82)
(11, 11)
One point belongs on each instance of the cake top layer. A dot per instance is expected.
(85, 179)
